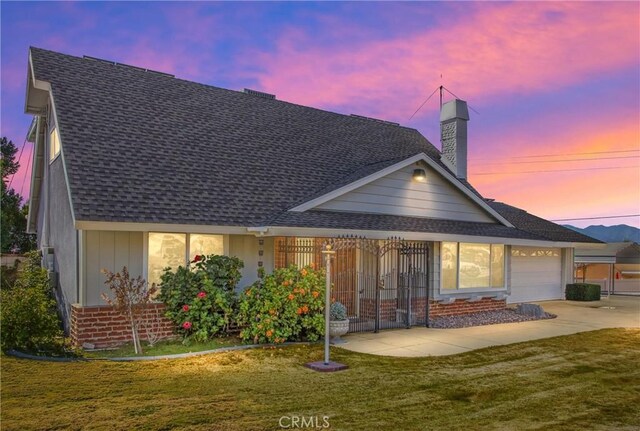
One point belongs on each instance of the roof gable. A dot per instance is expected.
(392, 191)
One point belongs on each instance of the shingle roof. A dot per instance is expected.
(383, 222)
(141, 146)
(522, 220)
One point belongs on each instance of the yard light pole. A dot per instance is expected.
(327, 365)
(328, 254)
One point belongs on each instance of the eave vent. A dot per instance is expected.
(259, 94)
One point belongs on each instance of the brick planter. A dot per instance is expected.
(463, 306)
(389, 307)
(103, 327)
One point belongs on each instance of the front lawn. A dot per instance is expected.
(587, 381)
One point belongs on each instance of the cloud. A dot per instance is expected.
(490, 51)
(592, 191)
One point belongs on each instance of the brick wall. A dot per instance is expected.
(462, 306)
(388, 308)
(103, 327)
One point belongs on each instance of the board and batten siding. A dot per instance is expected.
(398, 194)
(109, 250)
(247, 248)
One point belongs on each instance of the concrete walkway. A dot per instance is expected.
(573, 317)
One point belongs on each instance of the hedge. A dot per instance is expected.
(582, 292)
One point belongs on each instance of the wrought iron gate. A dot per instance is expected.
(382, 283)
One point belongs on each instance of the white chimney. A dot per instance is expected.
(453, 135)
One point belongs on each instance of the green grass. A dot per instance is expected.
(587, 381)
(164, 348)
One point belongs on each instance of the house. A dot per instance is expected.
(139, 168)
(616, 267)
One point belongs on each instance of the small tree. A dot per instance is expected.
(13, 223)
(130, 296)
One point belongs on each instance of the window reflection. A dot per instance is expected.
(165, 250)
(470, 265)
(205, 245)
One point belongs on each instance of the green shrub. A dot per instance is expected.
(200, 299)
(582, 292)
(8, 275)
(337, 311)
(29, 319)
(284, 306)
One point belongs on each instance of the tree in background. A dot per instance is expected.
(13, 224)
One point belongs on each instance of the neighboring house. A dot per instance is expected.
(139, 168)
(616, 267)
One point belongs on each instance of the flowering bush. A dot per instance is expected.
(200, 299)
(284, 306)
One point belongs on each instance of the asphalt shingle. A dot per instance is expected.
(141, 146)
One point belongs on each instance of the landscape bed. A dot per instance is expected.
(582, 381)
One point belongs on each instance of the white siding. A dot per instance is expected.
(112, 251)
(398, 194)
(534, 277)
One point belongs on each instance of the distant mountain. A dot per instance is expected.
(618, 233)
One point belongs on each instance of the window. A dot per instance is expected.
(205, 244)
(472, 266)
(449, 265)
(54, 144)
(170, 250)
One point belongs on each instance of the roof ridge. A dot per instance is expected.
(378, 121)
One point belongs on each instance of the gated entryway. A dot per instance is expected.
(382, 283)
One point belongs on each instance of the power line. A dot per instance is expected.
(26, 173)
(556, 170)
(19, 158)
(596, 218)
(558, 155)
(559, 161)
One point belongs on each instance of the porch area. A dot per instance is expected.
(384, 284)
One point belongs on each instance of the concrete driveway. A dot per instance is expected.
(573, 317)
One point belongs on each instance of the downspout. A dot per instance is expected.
(45, 197)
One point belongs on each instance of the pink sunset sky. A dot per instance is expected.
(555, 86)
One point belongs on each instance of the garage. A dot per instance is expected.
(536, 274)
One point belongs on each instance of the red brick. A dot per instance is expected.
(105, 327)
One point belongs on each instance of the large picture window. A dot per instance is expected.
(173, 249)
(472, 266)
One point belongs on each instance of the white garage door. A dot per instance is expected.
(536, 274)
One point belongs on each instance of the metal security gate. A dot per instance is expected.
(382, 283)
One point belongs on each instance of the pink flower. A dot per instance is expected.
(198, 258)
(202, 295)
(185, 308)
(186, 325)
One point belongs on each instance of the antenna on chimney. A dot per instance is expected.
(442, 89)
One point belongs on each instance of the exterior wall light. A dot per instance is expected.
(419, 175)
